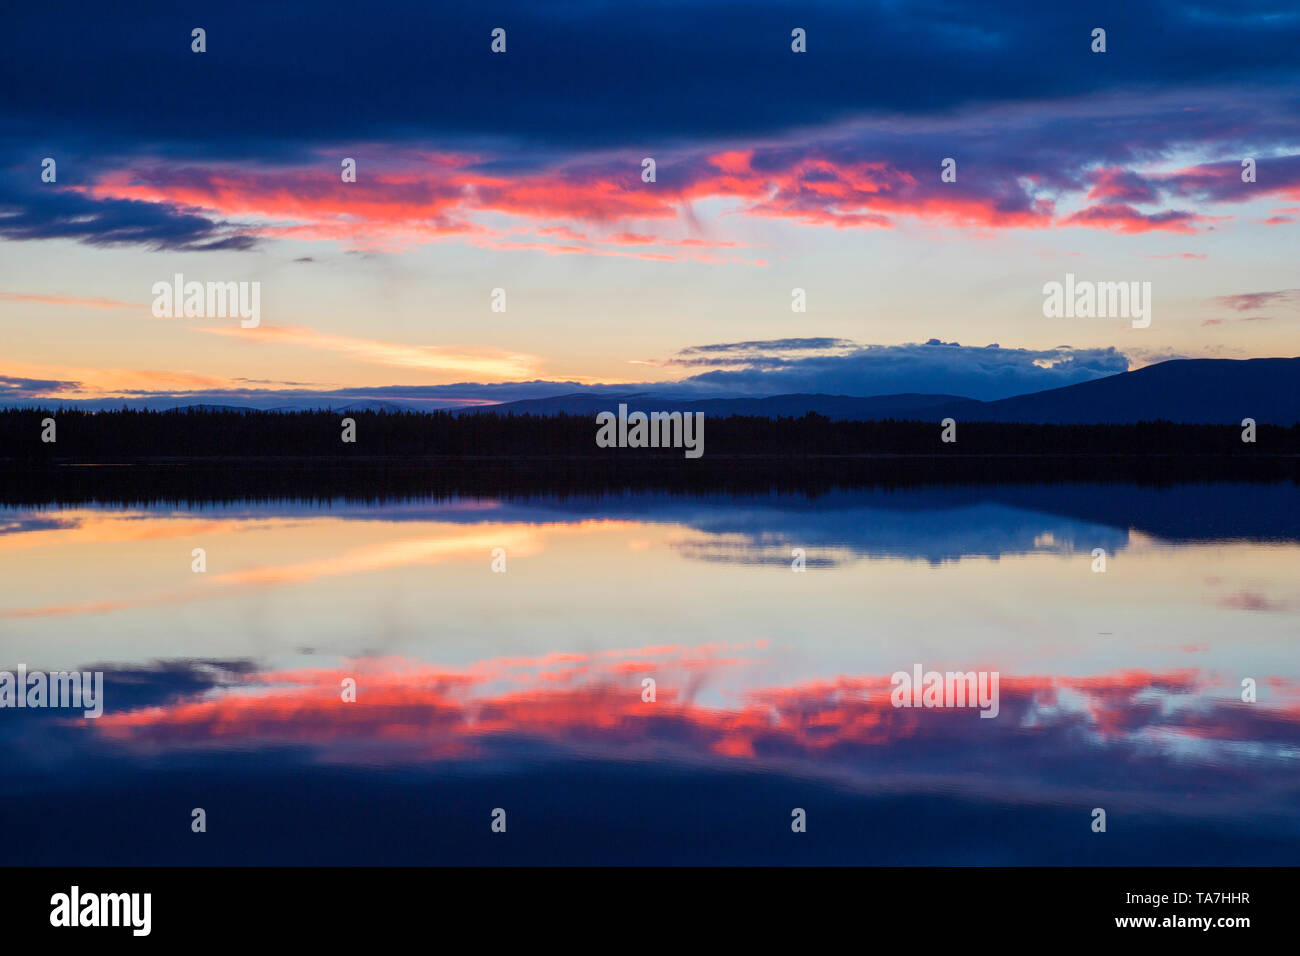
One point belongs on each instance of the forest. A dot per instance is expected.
(221, 455)
(130, 435)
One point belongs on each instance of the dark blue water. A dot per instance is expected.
(522, 690)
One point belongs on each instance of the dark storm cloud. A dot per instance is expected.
(1011, 90)
(57, 210)
(276, 78)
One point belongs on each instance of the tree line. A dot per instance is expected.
(132, 435)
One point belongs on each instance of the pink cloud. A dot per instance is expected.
(1123, 218)
(448, 198)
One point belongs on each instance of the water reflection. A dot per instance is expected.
(524, 689)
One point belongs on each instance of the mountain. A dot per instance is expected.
(363, 405)
(835, 407)
(212, 407)
(1193, 391)
(1200, 391)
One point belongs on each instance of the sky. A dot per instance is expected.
(522, 171)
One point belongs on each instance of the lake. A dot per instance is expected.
(639, 677)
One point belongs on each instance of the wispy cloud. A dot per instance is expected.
(486, 363)
(770, 345)
(1250, 301)
(68, 300)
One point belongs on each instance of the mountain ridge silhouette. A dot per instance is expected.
(1191, 391)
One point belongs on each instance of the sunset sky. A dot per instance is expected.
(775, 170)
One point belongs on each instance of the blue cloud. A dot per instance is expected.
(936, 367)
(589, 73)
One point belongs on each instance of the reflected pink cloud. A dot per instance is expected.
(412, 711)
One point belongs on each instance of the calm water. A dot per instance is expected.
(523, 690)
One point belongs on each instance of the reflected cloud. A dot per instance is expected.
(771, 688)
(450, 542)
(1144, 734)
